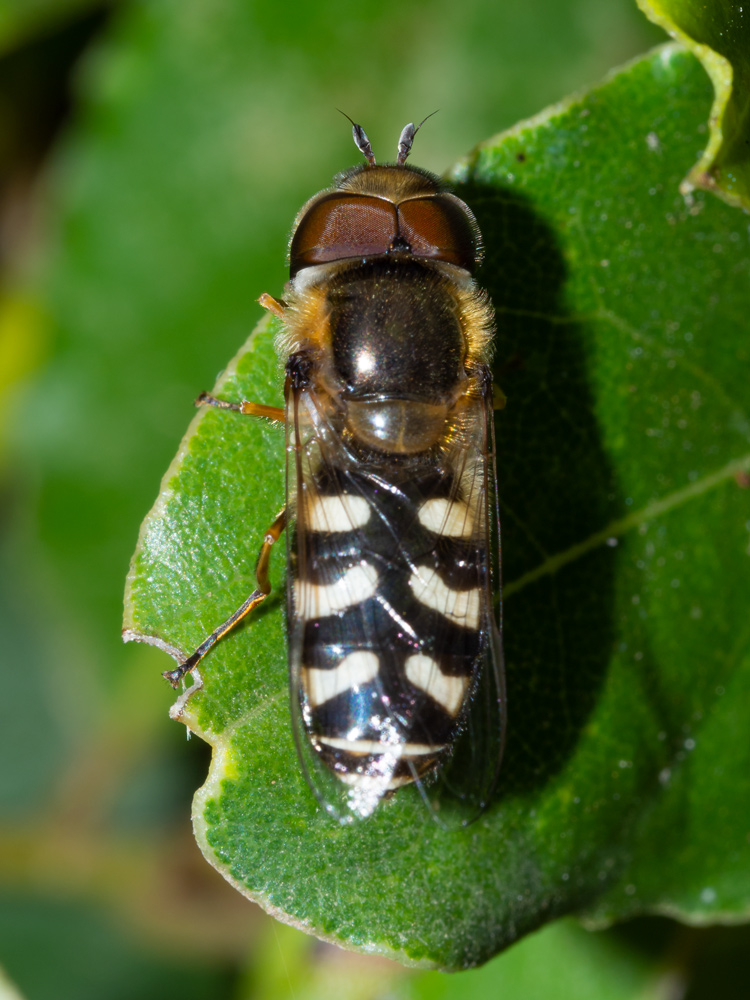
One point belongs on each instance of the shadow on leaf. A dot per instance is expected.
(556, 489)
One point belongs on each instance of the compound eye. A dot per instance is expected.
(340, 226)
(441, 227)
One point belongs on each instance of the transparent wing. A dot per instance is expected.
(395, 655)
(469, 776)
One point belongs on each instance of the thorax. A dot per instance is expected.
(393, 345)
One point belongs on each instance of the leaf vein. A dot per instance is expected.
(619, 527)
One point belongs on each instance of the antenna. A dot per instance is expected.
(407, 138)
(360, 139)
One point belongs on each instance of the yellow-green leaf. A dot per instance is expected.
(718, 32)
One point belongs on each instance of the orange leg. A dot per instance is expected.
(275, 306)
(245, 407)
(264, 588)
(272, 536)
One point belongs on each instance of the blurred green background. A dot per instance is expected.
(152, 158)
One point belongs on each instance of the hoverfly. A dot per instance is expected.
(395, 654)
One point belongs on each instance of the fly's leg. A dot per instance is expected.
(175, 676)
(275, 306)
(249, 409)
(246, 408)
(272, 536)
(263, 590)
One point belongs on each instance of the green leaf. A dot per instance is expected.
(624, 453)
(718, 32)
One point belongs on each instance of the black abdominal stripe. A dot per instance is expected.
(389, 584)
